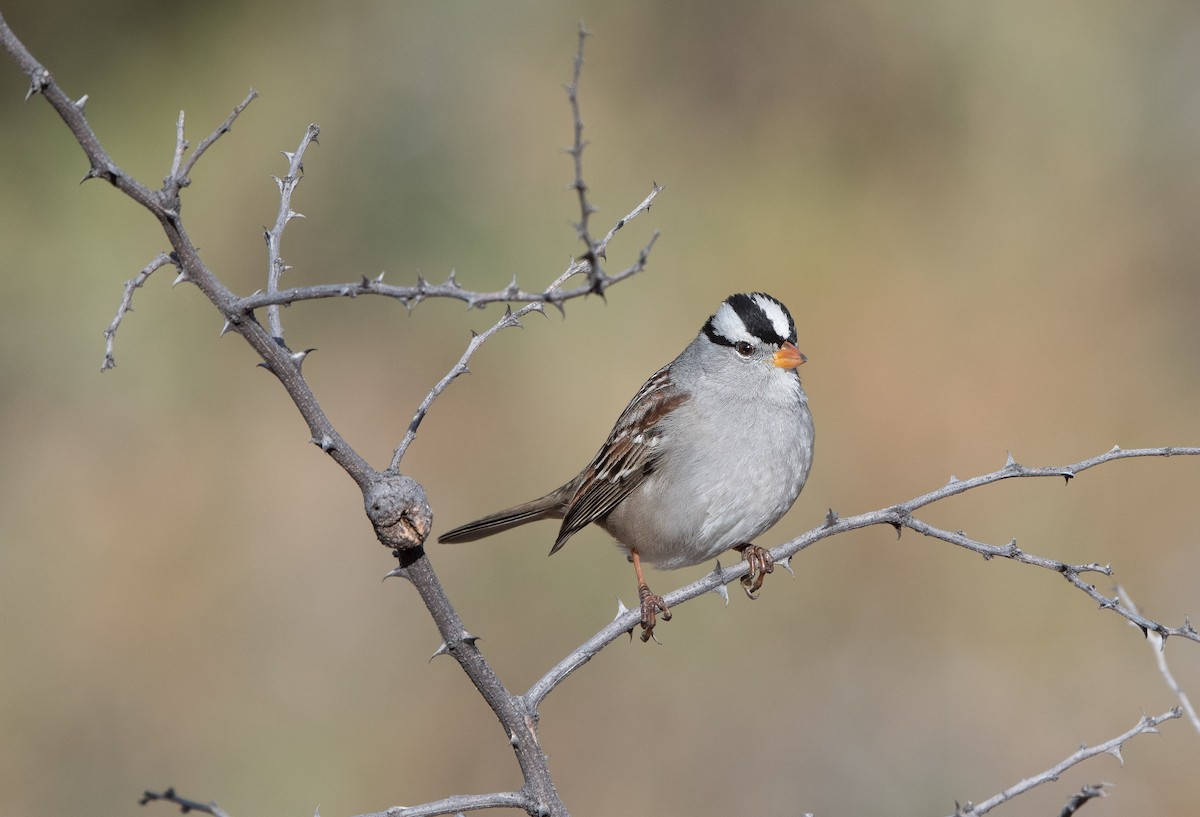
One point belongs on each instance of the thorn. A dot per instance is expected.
(379, 278)
(396, 573)
(179, 279)
(298, 357)
(1115, 448)
(465, 638)
(786, 564)
(721, 590)
(1116, 752)
(1067, 476)
(37, 84)
(953, 479)
(621, 609)
(289, 155)
(79, 103)
(831, 518)
(1010, 462)
(228, 325)
(325, 443)
(278, 183)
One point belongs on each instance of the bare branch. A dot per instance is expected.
(1144, 725)
(126, 306)
(181, 146)
(509, 318)
(185, 805)
(1156, 642)
(1084, 795)
(221, 130)
(410, 296)
(71, 112)
(274, 236)
(591, 257)
(644, 207)
(462, 803)
(1072, 573)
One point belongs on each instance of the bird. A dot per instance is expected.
(709, 454)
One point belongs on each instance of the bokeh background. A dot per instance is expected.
(983, 216)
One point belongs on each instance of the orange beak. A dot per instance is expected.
(788, 356)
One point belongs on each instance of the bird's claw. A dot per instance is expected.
(761, 563)
(652, 605)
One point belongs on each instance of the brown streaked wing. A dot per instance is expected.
(626, 458)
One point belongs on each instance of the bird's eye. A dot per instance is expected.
(744, 348)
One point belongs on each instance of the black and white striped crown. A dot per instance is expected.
(755, 317)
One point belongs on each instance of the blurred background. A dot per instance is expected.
(982, 215)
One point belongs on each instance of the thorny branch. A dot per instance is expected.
(1160, 657)
(274, 236)
(185, 805)
(1145, 724)
(126, 306)
(1086, 794)
(509, 318)
(591, 256)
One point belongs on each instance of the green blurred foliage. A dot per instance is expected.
(981, 215)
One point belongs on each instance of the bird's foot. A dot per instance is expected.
(652, 605)
(761, 563)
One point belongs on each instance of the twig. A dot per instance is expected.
(185, 805)
(274, 236)
(208, 141)
(591, 255)
(1160, 656)
(644, 207)
(1076, 801)
(509, 318)
(461, 803)
(410, 296)
(71, 112)
(181, 146)
(1144, 725)
(1072, 573)
(126, 306)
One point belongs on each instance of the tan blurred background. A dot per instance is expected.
(983, 216)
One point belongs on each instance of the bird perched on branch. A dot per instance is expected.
(710, 453)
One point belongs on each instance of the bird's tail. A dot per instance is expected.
(550, 506)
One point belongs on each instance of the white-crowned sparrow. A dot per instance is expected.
(710, 453)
